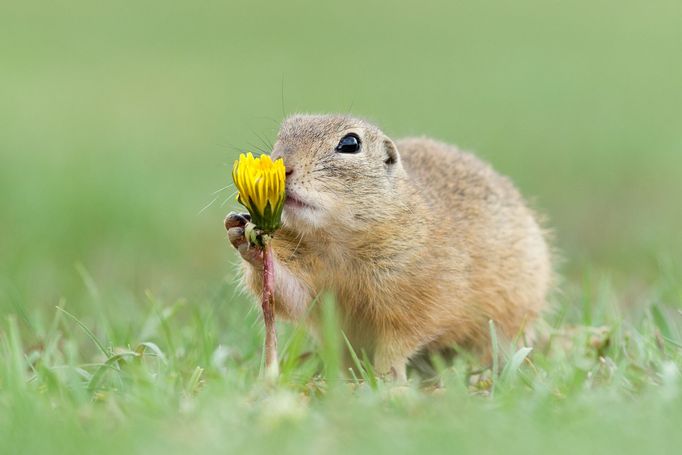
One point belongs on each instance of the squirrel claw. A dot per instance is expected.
(234, 219)
(235, 224)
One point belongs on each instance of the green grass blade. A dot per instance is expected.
(512, 366)
(495, 353)
(370, 379)
(87, 331)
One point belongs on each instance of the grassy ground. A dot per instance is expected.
(120, 328)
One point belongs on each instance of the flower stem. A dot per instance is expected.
(268, 304)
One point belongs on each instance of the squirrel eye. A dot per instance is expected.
(350, 143)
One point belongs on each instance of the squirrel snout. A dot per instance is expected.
(288, 172)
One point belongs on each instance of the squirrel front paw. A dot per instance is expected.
(235, 223)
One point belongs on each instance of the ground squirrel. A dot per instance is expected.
(421, 243)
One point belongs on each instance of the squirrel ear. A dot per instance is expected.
(392, 156)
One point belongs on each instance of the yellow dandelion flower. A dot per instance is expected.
(260, 184)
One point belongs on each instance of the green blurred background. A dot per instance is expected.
(119, 122)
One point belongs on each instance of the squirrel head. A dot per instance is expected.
(342, 173)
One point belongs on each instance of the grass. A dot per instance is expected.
(120, 326)
(173, 387)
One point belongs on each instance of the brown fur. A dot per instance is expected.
(421, 243)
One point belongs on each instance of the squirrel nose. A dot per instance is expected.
(288, 172)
